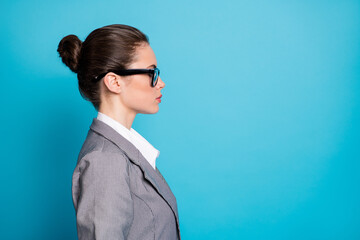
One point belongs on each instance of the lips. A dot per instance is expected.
(159, 97)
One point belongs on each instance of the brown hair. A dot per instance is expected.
(106, 49)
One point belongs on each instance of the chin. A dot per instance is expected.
(150, 111)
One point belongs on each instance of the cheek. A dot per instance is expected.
(139, 96)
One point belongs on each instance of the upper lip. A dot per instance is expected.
(160, 96)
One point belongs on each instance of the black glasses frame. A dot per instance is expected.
(155, 72)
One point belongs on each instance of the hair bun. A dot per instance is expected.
(69, 51)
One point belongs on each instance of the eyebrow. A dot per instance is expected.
(153, 65)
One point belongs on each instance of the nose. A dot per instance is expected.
(160, 83)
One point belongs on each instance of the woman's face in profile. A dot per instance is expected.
(137, 94)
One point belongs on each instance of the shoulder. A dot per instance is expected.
(95, 142)
(100, 153)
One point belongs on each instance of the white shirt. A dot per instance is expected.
(146, 149)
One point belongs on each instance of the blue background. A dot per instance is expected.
(258, 129)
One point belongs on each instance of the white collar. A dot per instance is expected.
(146, 149)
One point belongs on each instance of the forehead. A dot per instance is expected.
(144, 56)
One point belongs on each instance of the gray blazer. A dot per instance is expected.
(117, 194)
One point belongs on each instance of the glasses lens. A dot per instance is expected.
(155, 76)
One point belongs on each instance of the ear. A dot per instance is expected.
(112, 82)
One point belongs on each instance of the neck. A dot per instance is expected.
(118, 113)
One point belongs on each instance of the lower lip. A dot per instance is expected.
(159, 100)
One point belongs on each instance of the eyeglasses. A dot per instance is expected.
(154, 73)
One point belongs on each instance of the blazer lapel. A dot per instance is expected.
(153, 176)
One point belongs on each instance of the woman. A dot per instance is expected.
(118, 193)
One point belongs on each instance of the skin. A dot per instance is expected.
(122, 97)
